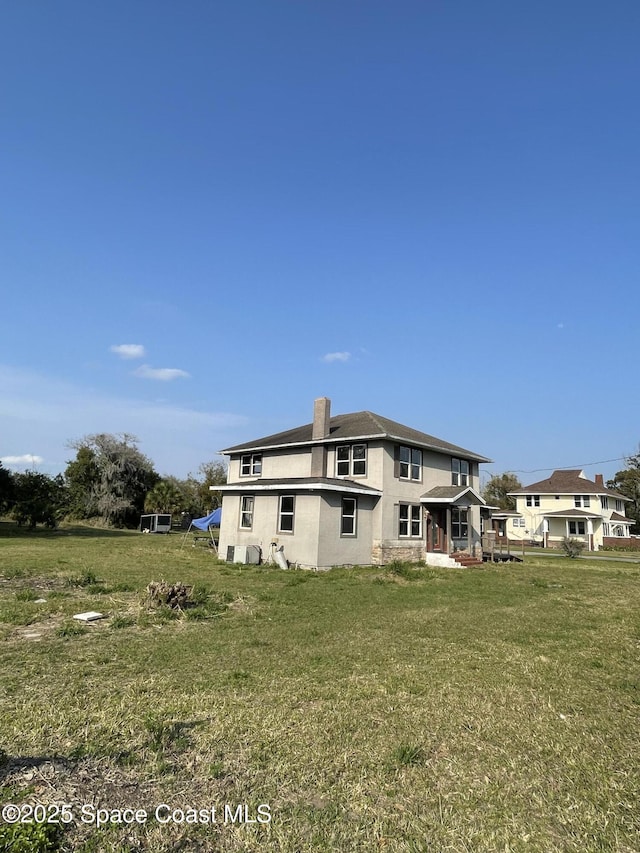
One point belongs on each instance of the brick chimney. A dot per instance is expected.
(599, 481)
(320, 429)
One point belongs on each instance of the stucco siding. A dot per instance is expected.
(337, 550)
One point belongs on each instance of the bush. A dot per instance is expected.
(572, 547)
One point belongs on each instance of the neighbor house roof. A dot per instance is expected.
(567, 482)
(615, 516)
(572, 513)
(356, 426)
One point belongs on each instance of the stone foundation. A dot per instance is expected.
(388, 550)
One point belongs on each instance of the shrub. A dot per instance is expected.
(572, 547)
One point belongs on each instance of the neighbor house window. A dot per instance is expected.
(246, 512)
(286, 513)
(251, 464)
(518, 522)
(351, 460)
(348, 519)
(410, 520)
(605, 503)
(619, 507)
(410, 463)
(459, 472)
(533, 500)
(605, 529)
(459, 523)
(577, 528)
(582, 500)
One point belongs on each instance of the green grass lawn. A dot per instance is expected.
(492, 709)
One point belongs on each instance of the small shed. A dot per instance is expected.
(155, 522)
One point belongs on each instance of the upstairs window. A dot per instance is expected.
(459, 472)
(619, 506)
(409, 463)
(251, 465)
(351, 460)
(605, 503)
(582, 500)
(533, 500)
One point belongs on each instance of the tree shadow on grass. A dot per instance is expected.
(11, 530)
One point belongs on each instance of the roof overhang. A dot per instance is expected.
(571, 513)
(459, 453)
(302, 486)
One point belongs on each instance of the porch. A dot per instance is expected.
(452, 526)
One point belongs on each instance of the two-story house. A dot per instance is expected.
(567, 504)
(353, 489)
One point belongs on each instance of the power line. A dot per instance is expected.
(565, 467)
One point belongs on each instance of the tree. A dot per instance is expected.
(168, 495)
(82, 476)
(39, 499)
(212, 473)
(496, 492)
(113, 477)
(627, 482)
(7, 490)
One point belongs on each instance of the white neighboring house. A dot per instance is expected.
(353, 489)
(568, 504)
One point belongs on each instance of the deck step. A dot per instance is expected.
(466, 560)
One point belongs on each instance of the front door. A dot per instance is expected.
(437, 530)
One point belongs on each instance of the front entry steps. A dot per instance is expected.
(463, 559)
(452, 561)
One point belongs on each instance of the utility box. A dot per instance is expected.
(155, 522)
(245, 554)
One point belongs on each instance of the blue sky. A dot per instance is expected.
(426, 209)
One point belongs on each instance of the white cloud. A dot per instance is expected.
(128, 350)
(336, 356)
(25, 459)
(47, 412)
(164, 374)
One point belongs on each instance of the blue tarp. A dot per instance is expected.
(208, 521)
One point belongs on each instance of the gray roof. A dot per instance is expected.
(567, 482)
(572, 513)
(448, 494)
(340, 484)
(358, 425)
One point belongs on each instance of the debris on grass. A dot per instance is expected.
(89, 616)
(177, 596)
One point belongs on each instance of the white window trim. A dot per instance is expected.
(353, 515)
(460, 477)
(414, 513)
(244, 500)
(410, 465)
(254, 464)
(291, 515)
(350, 461)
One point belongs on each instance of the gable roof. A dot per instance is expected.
(567, 482)
(356, 426)
(451, 494)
